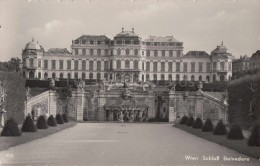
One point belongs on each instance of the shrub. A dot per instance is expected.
(208, 126)
(52, 121)
(220, 129)
(190, 121)
(235, 133)
(184, 120)
(59, 119)
(28, 125)
(41, 122)
(254, 139)
(198, 124)
(65, 117)
(11, 128)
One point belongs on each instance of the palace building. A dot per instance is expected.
(126, 58)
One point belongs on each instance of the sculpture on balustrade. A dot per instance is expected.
(2, 101)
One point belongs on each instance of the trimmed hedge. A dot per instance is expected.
(52, 121)
(41, 122)
(59, 119)
(198, 124)
(254, 139)
(11, 129)
(220, 129)
(235, 133)
(28, 125)
(65, 117)
(190, 121)
(208, 126)
(184, 120)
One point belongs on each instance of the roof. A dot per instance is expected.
(161, 39)
(242, 59)
(58, 51)
(127, 33)
(196, 54)
(93, 37)
(33, 46)
(220, 50)
(256, 54)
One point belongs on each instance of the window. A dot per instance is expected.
(163, 66)
(91, 52)
(155, 76)
(118, 52)
(214, 66)
(69, 76)
(177, 66)
(76, 51)
(91, 76)
(53, 75)
(68, 64)
(106, 76)
(170, 53)
(98, 76)
(207, 78)
(163, 52)
(106, 51)
(83, 76)
(162, 76)
(185, 78)
(136, 65)
(99, 52)
(200, 78)
(53, 64)
(45, 64)
(127, 64)
(208, 66)
(192, 66)
(106, 65)
(45, 75)
(76, 75)
(98, 65)
(222, 66)
(148, 53)
(200, 66)
(170, 66)
(155, 66)
(147, 66)
(84, 51)
(229, 66)
(214, 78)
(76, 65)
(91, 65)
(39, 75)
(147, 77)
(127, 51)
(118, 64)
(83, 65)
(39, 63)
(61, 64)
(31, 62)
(155, 53)
(170, 77)
(185, 66)
(136, 51)
(61, 75)
(177, 77)
(192, 78)
(178, 53)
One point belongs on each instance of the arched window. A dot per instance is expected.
(83, 65)
(177, 77)
(53, 75)
(76, 65)
(61, 75)
(118, 52)
(76, 51)
(99, 52)
(127, 51)
(127, 64)
(31, 62)
(177, 66)
(83, 76)
(91, 76)
(163, 66)
(200, 78)
(45, 75)
(31, 74)
(184, 78)
(214, 78)
(39, 74)
(91, 52)
(162, 76)
(136, 51)
(69, 76)
(76, 75)
(106, 76)
(84, 51)
(118, 64)
(207, 78)
(135, 64)
(192, 78)
(98, 76)
(222, 78)
(170, 77)
(155, 77)
(147, 66)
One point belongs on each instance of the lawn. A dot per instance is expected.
(237, 145)
(7, 142)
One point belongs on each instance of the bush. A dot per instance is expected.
(208, 126)
(198, 124)
(184, 120)
(235, 133)
(52, 121)
(28, 125)
(11, 128)
(59, 119)
(65, 117)
(220, 129)
(190, 121)
(254, 139)
(41, 123)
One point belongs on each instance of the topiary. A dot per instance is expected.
(220, 129)
(184, 120)
(65, 117)
(41, 122)
(254, 139)
(28, 125)
(11, 128)
(235, 133)
(198, 124)
(208, 126)
(52, 121)
(59, 119)
(190, 121)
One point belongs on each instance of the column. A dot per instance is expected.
(79, 104)
(172, 105)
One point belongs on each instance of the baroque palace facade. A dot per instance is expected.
(126, 58)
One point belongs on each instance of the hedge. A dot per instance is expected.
(41, 122)
(208, 126)
(28, 125)
(235, 132)
(184, 120)
(198, 124)
(52, 121)
(11, 128)
(220, 129)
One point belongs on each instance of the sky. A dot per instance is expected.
(199, 24)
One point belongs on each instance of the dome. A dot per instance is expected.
(220, 50)
(33, 46)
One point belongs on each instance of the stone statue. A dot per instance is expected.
(173, 88)
(28, 93)
(200, 86)
(121, 117)
(2, 100)
(52, 83)
(81, 84)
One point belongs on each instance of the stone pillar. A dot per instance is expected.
(79, 104)
(52, 103)
(172, 107)
(101, 110)
(150, 100)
